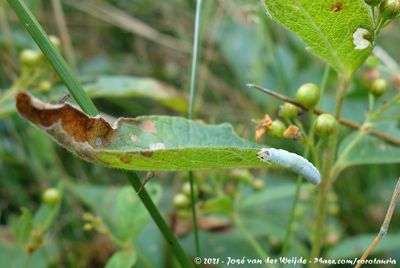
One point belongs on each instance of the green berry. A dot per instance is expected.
(44, 86)
(308, 95)
(389, 9)
(372, 2)
(51, 197)
(55, 41)
(258, 184)
(277, 128)
(186, 189)
(30, 57)
(325, 125)
(378, 87)
(181, 201)
(288, 110)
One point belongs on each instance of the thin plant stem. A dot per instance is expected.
(343, 121)
(329, 156)
(193, 76)
(385, 225)
(249, 237)
(158, 219)
(324, 80)
(192, 96)
(53, 56)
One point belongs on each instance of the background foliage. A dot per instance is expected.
(134, 58)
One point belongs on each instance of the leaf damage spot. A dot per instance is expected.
(359, 39)
(126, 159)
(134, 138)
(148, 126)
(157, 146)
(95, 131)
(146, 153)
(337, 7)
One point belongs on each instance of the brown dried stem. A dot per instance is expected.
(343, 121)
(385, 224)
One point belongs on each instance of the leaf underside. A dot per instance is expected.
(142, 143)
(327, 28)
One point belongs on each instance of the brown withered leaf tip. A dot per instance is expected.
(96, 131)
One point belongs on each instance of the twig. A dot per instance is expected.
(317, 111)
(385, 224)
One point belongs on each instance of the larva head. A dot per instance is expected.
(263, 154)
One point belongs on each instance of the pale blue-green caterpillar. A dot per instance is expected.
(292, 161)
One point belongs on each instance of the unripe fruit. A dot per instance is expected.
(378, 87)
(55, 41)
(288, 110)
(389, 9)
(30, 57)
(308, 95)
(372, 2)
(181, 201)
(186, 189)
(325, 125)
(51, 197)
(44, 86)
(258, 184)
(277, 128)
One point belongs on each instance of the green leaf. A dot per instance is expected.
(270, 194)
(218, 205)
(131, 213)
(122, 259)
(129, 86)
(120, 208)
(355, 247)
(23, 226)
(142, 143)
(327, 28)
(369, 150)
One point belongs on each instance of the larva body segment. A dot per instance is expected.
(291, 161)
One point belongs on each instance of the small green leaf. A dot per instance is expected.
(355, 247)
(369, 150)
(328, 28)
(218, 205)
(129, 86)
(122, 259)
(131, 214)
(23, 226)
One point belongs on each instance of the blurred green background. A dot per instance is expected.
(134, 57)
